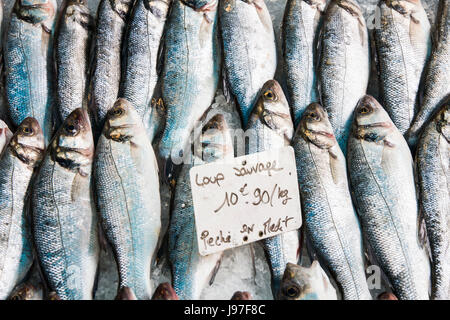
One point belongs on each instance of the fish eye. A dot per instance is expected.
(365, 109)
(314, 116)
(27, 130)
(71, 128)
(292, 291)
(269, 95)
(117, 111)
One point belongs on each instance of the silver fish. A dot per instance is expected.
(64, 216)
(28, 62)
(344, 64)
(127, 187)
(330, 219)
(72, 58)
(17, 165)
(142, 44)
(437, 78)
(402, 43)
(270, 127)
(433, 177)
(382, 180)
(301, 25)
(190, 270)
(190, 75)
(249, 49)
(112, 18)
(302, 283)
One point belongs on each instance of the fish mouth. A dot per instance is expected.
(322, 133)
(375, 125)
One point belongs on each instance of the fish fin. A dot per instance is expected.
(204, 30)
(78, 187)
(215, 270)
(264, 15)
(125, 293)
(135, 155)
(362, 33)
(389, 144)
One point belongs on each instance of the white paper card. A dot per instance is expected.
(245, 199)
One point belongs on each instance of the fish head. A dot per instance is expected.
(122, 7)
(158, 8)
(73, 145)
(77, 11)
(371, 122)
(35, 11)
(319, 4)
(242, 295)
(28, 142)
(316, 128)
(121, 121)
(272, 111)
(301, 283)
(215, 141)
(443, 119)
(404, 7)
(165, 292)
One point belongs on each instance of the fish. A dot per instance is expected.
(270, 127)
(128, 197)
(112, 19)
(242, 295)
(73, 57)
(190, 74)
(191, 271)
(5, 135)
(381, 174)
(17, 166)
(65, 222)
(300, 32)
(437, 80)
(403, 43)
(344, 64)
(330, 219)
(30, 289)
(142, 45)
(387, 296)
(250, 54)
(433, 180)
(165, 292)
(306, 283)
(29, 63)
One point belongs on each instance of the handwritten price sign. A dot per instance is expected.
(245, 199)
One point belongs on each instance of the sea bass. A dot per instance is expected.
(382, 181)
(344, 64)
(72, 57)
(249, 49)
(143, 40)
(437, 78)
(17, 165)
(302, 283)
(330, 219)
(191, 72)
(112, 18)
(64, 216)
(301, 25)
(402, 44)
(270, 127)
(433, 176)
(190, 270)
(29, 62)
(127, 187)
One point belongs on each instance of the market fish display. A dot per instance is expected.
(249, 49)
(303, 283)
(128, 199)
(270, 127)
(28, 63)
(190, 75)
(191, 271)
(301, 25)
(433, 175)
(112, 19)
(72, 57)
(64, 217)
(402, 44)
(382, 181)
(20, 158)
(143, 41)
(330, 219)
(344, 64)
(437, 79)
